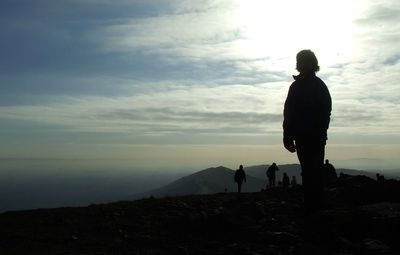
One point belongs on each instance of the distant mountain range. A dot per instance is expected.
(218, 179)
(208, 181)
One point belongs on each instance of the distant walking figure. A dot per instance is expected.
(306, 121)
(285, 180)
(271, 174)
(240, 176)
(329, 174)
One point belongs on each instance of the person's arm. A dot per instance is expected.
(288, 119)
(325, 108)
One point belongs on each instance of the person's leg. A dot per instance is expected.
(304, 159)
(311, 156)
(318, 180)
(239, 187)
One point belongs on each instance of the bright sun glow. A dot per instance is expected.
(280, 29)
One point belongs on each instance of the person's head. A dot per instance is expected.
(326, 161)
(274, 164)
(306, 62)
(240, 167)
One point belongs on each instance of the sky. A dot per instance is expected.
(175, 84)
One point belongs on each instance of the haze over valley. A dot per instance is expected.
(29, 184)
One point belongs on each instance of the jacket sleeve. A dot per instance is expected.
(288, 116)
(328, 108)
(325, 110)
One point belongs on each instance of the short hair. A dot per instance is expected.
(306, 62)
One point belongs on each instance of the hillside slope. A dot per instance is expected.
(217, 179)
(362, 217)
(208, 181)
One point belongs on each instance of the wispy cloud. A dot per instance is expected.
(192, 69)
(218, 109)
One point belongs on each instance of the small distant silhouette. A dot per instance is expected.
(293, 182)
(240, 176)
(285, 180)
(329, 174)
(307, 113)
(271, 175)
(380, 178)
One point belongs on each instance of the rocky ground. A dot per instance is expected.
(362, 217)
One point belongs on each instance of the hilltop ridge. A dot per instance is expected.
(218, 179)
(208, 181)
(362, 217)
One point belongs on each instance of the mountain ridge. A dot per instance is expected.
(220, 179)
(211, 180)
(362, 217)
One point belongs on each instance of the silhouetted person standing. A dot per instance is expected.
(285, 180)
(271, 174)
(380, 178)
(306, 121)
(330, 174)
(240, 176)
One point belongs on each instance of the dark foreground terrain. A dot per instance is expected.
(361, 217)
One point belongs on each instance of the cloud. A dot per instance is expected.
(191, 71)
(190, 34)
(393, 60)
(377, 30)
(232, 109)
